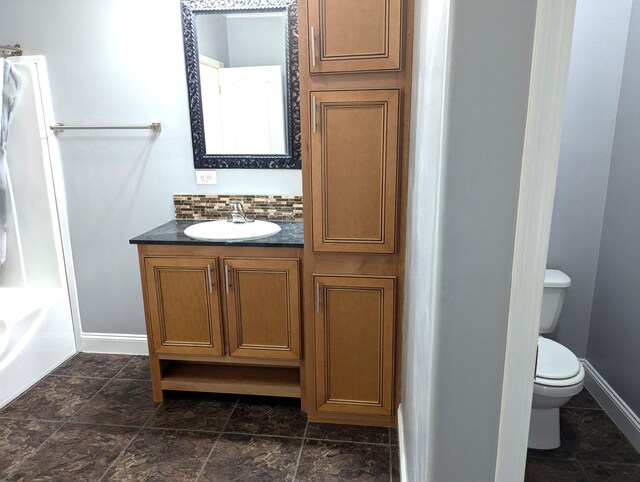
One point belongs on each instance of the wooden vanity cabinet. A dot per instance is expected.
(354, 337)
(355, 85)
(263, 307)
(354, 35)
(223, 319)
(184, 305)
(354, 170)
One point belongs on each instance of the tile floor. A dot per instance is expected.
(93, 419)
(592, 450)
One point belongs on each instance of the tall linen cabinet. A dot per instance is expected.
(355, 78)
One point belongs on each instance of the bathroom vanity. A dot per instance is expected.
(225, 316)
(314, 315)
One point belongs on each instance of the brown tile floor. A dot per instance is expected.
(593, 449)
(93, 419)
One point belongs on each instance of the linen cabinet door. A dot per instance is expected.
(263, 308)
(354, 164)
(184, 305)
(354, 333)
(354, 35)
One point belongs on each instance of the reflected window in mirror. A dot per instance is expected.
(242, 77)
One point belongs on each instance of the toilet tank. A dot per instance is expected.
(555, 286)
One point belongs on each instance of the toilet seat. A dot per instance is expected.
(557, 366)
(559, 388)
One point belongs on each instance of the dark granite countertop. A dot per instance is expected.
(291, 236)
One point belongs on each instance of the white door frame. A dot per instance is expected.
(547, 92)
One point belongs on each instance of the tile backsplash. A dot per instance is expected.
(216, 206)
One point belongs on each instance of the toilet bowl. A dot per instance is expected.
(559, 373)
(559, 376)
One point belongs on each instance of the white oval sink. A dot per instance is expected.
(226, 231)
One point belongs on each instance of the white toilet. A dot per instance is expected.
(559, 373)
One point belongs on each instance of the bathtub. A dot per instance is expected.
(34, 337)
(37, 284)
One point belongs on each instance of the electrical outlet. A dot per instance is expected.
(206, 177)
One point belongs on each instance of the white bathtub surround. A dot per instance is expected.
(35, 337)
(9, 87)
(37, 284)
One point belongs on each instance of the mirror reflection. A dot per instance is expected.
(243, 82)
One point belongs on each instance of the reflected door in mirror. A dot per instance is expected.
(243, 109)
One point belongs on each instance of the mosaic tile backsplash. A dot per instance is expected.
(216, 206)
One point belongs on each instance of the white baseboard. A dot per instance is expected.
(621, 414)
(114, 343)
(401, 453)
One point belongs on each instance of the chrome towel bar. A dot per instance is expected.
(155, 127)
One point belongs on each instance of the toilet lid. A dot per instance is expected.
(555, 362)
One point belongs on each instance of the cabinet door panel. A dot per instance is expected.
(354, 35)
(184, 305)
(263, 308)
(354, 171)
(354, 330)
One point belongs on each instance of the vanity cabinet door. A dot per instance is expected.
(354, 332)
(184, 305)
(354, 164)
(354, 35)
(263, 307)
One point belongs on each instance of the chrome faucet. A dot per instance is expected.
(237, 214)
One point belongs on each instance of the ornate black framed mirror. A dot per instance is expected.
(243, 83)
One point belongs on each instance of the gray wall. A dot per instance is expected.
(488, 86)
(490, 66)
(597, 57)
(247, 45)
(243, 41)
(212, 37)
(120, 62)
(614, 338)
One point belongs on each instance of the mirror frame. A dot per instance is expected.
(202, 160)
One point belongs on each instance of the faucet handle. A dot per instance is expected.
(236, 206)
(237, 213)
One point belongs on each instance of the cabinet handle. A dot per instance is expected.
(226, 276)
(317, 297)
(313, 46)
(313, 110)
(210, 278)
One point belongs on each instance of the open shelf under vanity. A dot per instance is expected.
(224, 378)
